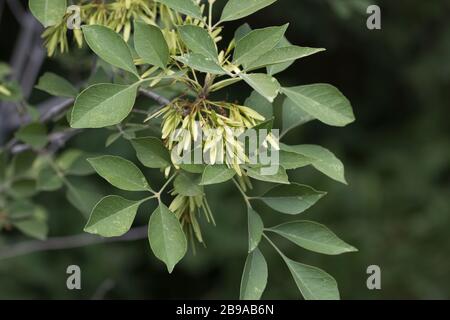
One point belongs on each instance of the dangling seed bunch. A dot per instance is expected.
(186, 208)
(117, 15)
(213, 126)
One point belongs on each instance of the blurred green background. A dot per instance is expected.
(396, 210)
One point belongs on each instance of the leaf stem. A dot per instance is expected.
(274, 245)
(246, 198)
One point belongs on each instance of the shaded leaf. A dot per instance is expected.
(166, 237)
(313, 236)
(292, 199)
(322, 101)
(264, 84)
(56, 86)
(188, 7)
(255, 229)
(215, 174)
(120, 172)
(151, 152)
(109, 46)
(254, 277)
(321, 159)
(313, 283)
(150, 44)
(256, 43)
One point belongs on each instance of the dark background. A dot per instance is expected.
(396, 210)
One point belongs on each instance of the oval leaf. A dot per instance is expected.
(109, 46)
(56, 86)
(322, 101)
(237, 9)
(255, 229)
(201, 63)
(188, 185)
(112, 216)
(166, 237)
(264, 84)
(48, 12)
(103, 105)
(292, 199)
(282, 55)
(256, 43)
(198, 41)
(150, 44)
(254, 277)
(151, 152)
(280, 176)
(33, 134)
(321, 159)
(313, 283)
(215, 174)
(313, 236)
(120, 172)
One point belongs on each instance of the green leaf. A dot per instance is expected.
(109, 46)
(166, 237)
(103, 105)
(120, 172)
(313, 283)
(215, 174)
(279, 177)
(201, 63)
(237, 9)
(150, 44)
(22, 163)
(35, 226)
(277, 68)
(322, 101)
(260, 104)
(48, 12)
(33, 134)
(292, 199)
(264, 84)
(254, 277)
(151, 152)
(321, 159)
(112, 216)
(242, 31)
(255, 229)
(256, 43)
(188, 185)
(293, 116)
(82, 194)
(48, 180)
(291, 160)
(56, 86)
(74, 162)
(22, 188)
(187, 7)
(282, 55)
(193, 168)
(313, 236)
(198, 41)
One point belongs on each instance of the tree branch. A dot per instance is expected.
(163, 101)
(70, 242)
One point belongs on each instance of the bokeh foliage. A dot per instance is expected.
(396, 209)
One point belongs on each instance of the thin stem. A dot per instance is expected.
(165, 185)
(60, 243)
(211, 3)
(246, 198)
(274, 245)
